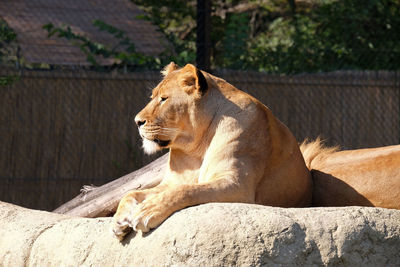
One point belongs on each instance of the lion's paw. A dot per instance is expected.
(145, 218)
(142, 221)
(140, 216)
(120, 229)
(121, 222)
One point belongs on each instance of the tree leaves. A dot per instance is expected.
(123, 53)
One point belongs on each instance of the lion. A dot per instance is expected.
(361, 177)
(224, 146)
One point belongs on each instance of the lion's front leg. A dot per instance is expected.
(154, 210)
(149, 211)
(144, 210)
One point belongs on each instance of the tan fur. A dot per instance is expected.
(315, 151)
(225, 146)
(362, 177)
(169, 68)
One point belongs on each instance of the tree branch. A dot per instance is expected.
(103, 201)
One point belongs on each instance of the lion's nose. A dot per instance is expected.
(139, 122)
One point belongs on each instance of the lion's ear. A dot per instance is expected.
(169, 68)
(192, 80)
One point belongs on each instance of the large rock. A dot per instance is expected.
(219, 234)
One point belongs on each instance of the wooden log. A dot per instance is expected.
(103, 200)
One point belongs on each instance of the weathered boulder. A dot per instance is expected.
(217, 234)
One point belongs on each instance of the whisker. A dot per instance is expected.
(163, 134)
(170, 129)
(167, 131)
(162, 131)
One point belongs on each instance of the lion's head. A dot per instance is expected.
(173, 115)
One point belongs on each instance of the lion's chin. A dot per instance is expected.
(153, 146)
(150, 147)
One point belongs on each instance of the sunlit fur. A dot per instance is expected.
(225, 146)
(314, 151)
(150, 147)
(362, 177)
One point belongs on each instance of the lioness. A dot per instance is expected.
(225, 146)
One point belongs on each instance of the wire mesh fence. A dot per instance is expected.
(73, 74)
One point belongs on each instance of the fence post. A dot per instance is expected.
(397, 82)
(203, 40)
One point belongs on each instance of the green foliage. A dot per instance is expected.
(176, 19)
(280, 36)
(7, 54)
(7, 35)
(235, 40)
(346, 34)
(7, 80)
(235, 24)
(367, 35)
(124, 53)
(286, 36)
(7, 39)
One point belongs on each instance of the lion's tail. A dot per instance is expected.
(314, 151)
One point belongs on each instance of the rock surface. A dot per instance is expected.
(218, 234)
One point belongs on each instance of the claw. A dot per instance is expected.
(123, 223)
(120, 229)
(134, 224)
(146, 221)
(117, 234)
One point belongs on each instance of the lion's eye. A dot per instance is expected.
(163, 99)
